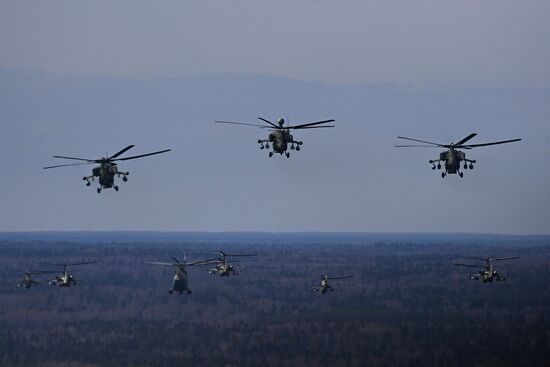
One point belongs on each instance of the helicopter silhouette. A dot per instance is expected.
(223, 267)
(107, 169)
(28, 281)
(324, 287)
(280, 136)
(454, 156)
(66, 279)
(181, 280)
(487, 274)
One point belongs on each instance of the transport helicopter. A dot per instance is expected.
(224, 268)
(28, 281)
(181, 281)
(324, 287)
(66, 279)
(280, 136)
(107, 169)
(487, 274)
(454, 156)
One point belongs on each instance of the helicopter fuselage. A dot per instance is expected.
(279, 141)
(181, 283)
(105, 174)
(452, 160)
(223, 270)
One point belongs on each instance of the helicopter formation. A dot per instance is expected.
(180, 281)
(280, 140)
(63, 279)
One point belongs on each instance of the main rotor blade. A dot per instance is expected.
(122, 151)
(475, 258)
(342, 277)
(313, 127)
(422, 141)
(204, 262)
(301, 126)
(466, 139)
(76, 159)
(83, 263)
(493, 143)
(176, 260)
(242, 123)
(415, 146)
(269, 122)
(68, 165)
(469, 266)
(159, 263)
(141, 155)
(504, 258)
(240, 255)
(40, 272)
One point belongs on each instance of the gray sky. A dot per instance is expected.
(500, 43)
(98, 76)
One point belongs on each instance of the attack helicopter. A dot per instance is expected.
(453, 157)
(28, 281)
(324, 287)
(66, 279)
(223, 268)
(280, 136)
(487, 274)
(181, 281)
(107, 169)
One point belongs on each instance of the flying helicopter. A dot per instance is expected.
(66, 278)
(223, 268)
(452, 157)
(487, 274)
(107, 169)
(324, 287)
(28, 281)
(280, 136)
(181, 281)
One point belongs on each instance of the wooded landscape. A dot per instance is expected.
(406, 305)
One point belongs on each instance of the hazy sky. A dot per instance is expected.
(458, 43)
(82, 78)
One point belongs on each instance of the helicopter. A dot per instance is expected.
(66, 278)
(324, 287)
(107, 169)
(452, 157)
(488, 274)
(28, 281)
(223, 268)
(181, 282)
(280, 136)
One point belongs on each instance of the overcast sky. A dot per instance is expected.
(458, 43)
(85, 78)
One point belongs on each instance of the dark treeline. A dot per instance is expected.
(405, 306)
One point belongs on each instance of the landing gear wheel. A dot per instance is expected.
(99, 190)
(88, 184)
(270, 154)
(465, 166)
(471, 166)
(189, 291)
(461, 174)
(442, 174)
(287, 154)
(124, 178)
(438, 166)
(116, 188)
(298, 148)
